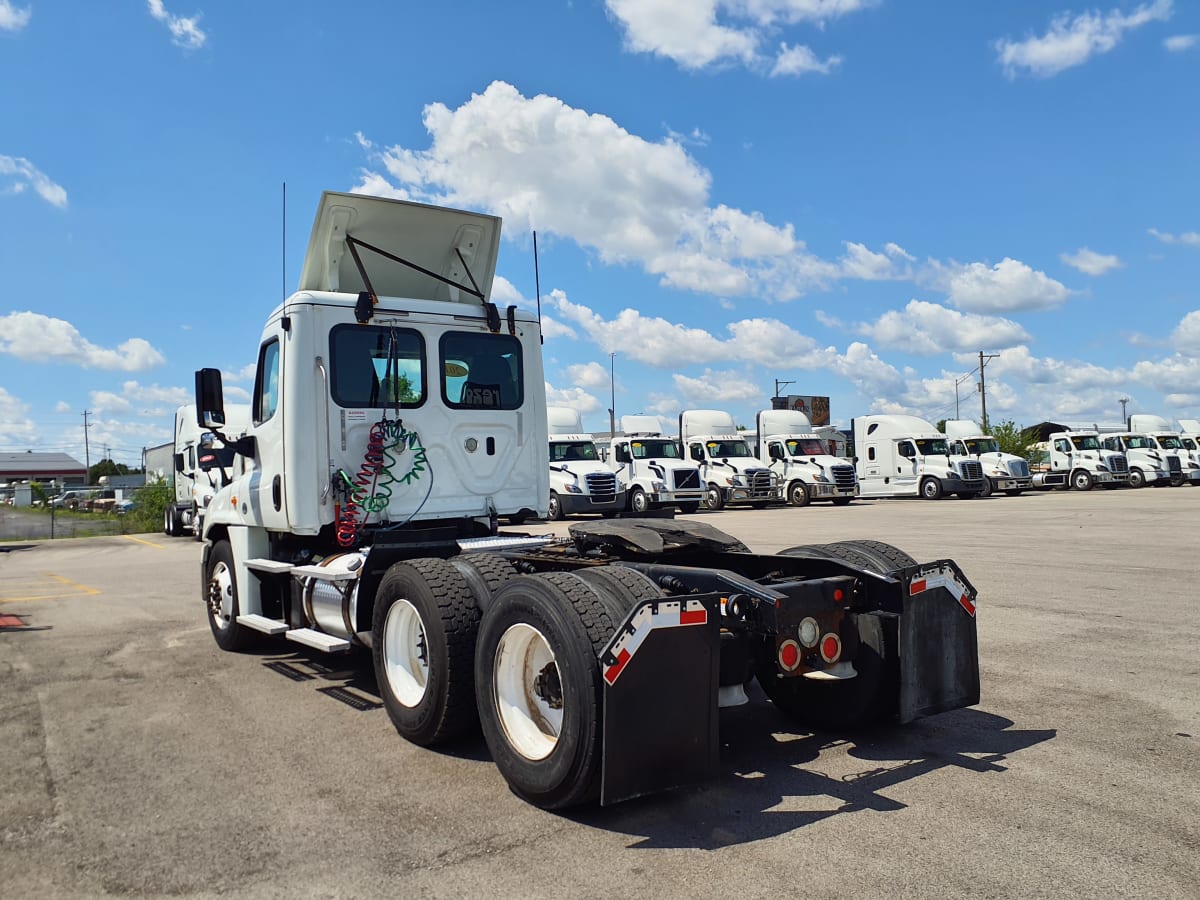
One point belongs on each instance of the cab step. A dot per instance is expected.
(318, 640)
(270, 566)
(263, 624)
(322, 573)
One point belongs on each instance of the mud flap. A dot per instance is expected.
(938, 644)
(661, 672)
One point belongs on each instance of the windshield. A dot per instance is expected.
(1170, 442)
(215, 456)
(805, 447)
(565, 451)
(983, 445)
(723, 449)
(932, 447)
(1138, 442)
(654, 448)
(1086, 442)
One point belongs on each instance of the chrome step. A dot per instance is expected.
(271, 566)
(263, 624)
(503, 542)
(318, 640)
(323, 573)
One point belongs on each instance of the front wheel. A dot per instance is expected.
(713, 498)
(638, 501)
(1081, 480)
(798, 494)
(689, 506)
(987, 487)
(931, 489)
(842, 501)
(555, 512)
(423, 640)
(221, 597)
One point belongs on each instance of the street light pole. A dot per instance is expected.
(1123, 401)
(612, 382)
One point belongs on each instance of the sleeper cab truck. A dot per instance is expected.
(787, 444)
(1170, 442)
(397, 414)
(1002, 472)
(651, 468)
(905, 456)
(728, 467)
(580, 482)
(202, 464)
(1080, 456)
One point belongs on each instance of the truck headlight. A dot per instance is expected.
(737, 480)
(573, 489)
(658, 486)
(821, 479)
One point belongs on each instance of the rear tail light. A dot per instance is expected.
(789, 655)
(831, 647)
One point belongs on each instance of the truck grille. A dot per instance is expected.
(1018, 468)
(759, 481)
(602, 486)
(1173, 465)
(971, 470)
(687, 479)
(1119, 464)
(843, 477)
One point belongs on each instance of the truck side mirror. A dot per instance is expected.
(775, 451)
(210, 399)
(178, 462)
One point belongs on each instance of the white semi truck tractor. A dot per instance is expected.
(730, 470)
(906, 456)
(397, 415)
(787, 444)
(651, 468)
(1148, 465)
(1169, 442)
(580, 482)
(1002, 472)
(1085, 461)
(201, 462)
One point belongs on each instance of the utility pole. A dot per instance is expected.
(1123, 401)
(781, 384)
(612, 381)
(87, 455)
(984, 359)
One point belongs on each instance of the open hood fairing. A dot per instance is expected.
(427, 236)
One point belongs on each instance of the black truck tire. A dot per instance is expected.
(688, 506)
(626, 586)
(931, 488)
(538, 686)
(423, 642)
(713, 498)
(797, 493)
(221, 601)
(555, 512)
(484, 573)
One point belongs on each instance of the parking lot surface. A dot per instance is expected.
(139, 759)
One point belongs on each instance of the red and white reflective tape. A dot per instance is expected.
(944, 578)
(666, 614)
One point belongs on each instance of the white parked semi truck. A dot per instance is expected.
(201, 464)
(1004, 472)
(728, 467)
(397, 415)
(788, 445)
(906, 456)
(651, 468)
(1147, 463)
(1080, 456)
(580, 482)
(1169, 442)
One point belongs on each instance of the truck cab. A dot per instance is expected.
(1085, 461)
(905, 456)
(1004, 472)
(580, 481)
(789, 446)
(650, 466)
(728, 467)
(202, 463)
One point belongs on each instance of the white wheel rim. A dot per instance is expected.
(220, 595)
(526, 678)
(405, 653)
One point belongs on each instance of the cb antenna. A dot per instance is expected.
(537, 286)
(283, 274)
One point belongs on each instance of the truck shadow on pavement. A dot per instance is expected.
(773, 779)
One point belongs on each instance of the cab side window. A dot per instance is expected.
(266, 382)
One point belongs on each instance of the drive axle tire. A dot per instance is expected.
(221, 600)
(987, 487)
(689, 506)
(538, 685)
(423, 641)
(484, 573)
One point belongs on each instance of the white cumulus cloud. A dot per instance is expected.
(1186, 335)
(13, 18)
(185, 30)
(34, 337)
(1008, 286)
(1090, 262)
(1187, 238)
(800, 59)
(1073, 40)
(1177, 43)
(16, 427)
(25, 174)
(927, 328)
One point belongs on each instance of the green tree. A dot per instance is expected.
(106, 467)
(1010, 438)
(941, 425)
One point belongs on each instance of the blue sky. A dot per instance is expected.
(854, 196)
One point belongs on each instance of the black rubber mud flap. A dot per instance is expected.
(661, 673)
(938, 644)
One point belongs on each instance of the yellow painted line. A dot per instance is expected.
(33, 594)
(130, 537)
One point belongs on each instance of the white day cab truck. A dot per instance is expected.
(651, 468)
(580, 482)
(397, 415)
(1148, 465)
(788, 445)
(201, 462)
(1170, 442)
(906, 456)
(1080, 456)
(728, 467)
(1002, 472)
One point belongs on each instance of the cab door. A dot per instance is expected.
(266, 503)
